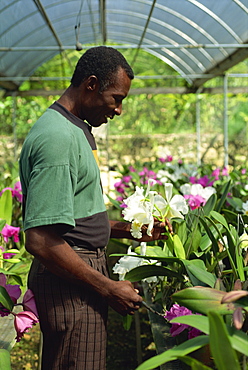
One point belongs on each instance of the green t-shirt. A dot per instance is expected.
(61, 180)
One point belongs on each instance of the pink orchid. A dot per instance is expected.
(169, 158)
(176, 328)
(23, 322)
(132, 169)
(162, 160)
(29, 302)
(6, 255)
(216, 173)
(16, 192)
(9, 231)
(14, 292)
(127, 178)
(120, 187)
(195, 201)
(225, 171)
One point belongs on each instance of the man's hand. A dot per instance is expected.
(123, 298)
(120, 229)
(158, 231)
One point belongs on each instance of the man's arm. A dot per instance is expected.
(46, 245)
(121, 230)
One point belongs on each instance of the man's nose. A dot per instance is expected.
(118, 110)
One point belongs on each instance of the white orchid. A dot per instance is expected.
(175, 172)
(127, 263)
(139, 209)
(170, 206)
(198, 189)
(245, 208)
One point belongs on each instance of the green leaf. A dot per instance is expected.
(197, 268)
(203, 300)
(211, 236)
(182, 232)
(193, 363)
(5, 363)
(218, 217)
(238, 339)
(153, 251)
(5, 299)
(145, 271)
(127, 321)
(6, 206)
(206, 241)
(199, 322)
(173, 353)
(224, 355)
(2, 223)
(176, 245)
(168, 260)
(17, 278)
(11, 260)
(193, 242)
(210, 204)
(114, 202)
(223, 197)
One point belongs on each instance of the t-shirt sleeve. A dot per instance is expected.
(52, 182)
(50, 198)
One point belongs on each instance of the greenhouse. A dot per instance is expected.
(176, 156)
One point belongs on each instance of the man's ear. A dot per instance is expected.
(92, 83)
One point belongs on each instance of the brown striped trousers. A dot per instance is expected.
(72, 319)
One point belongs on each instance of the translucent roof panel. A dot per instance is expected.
(195, 37)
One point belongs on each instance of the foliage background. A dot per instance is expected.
(144, 115)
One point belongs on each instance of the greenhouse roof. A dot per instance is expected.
(199, 39)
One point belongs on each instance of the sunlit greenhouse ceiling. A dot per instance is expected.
(199, 39)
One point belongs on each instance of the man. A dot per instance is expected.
(65, 219)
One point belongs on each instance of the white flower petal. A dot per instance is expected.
(168, 191)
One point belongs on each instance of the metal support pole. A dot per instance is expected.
(14, 125)
(225, 85)
(198, 128)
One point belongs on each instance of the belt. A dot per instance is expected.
(86, 248)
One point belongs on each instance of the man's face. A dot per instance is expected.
(108, 103)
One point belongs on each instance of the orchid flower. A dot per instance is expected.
(139, 209)
(170, 206)
(9, 231)
(196, 194)
(29, 302)
(23, 322)
(16, 191)
(176, 328)
(245, 208)
(14, 292)
(6, 255)
(127, 263)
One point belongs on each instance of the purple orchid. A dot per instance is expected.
(23, 322)
(29, 302)
(14, 292)
(195, 201)
(6, 255)
(9, 231)
(176, 328)
(16, 191)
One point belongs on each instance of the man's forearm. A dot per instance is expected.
(63, 261)
(122, 230)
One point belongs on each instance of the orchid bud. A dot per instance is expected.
(233, 296)
(238, 318)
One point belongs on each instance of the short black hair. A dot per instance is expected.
(103, 62)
